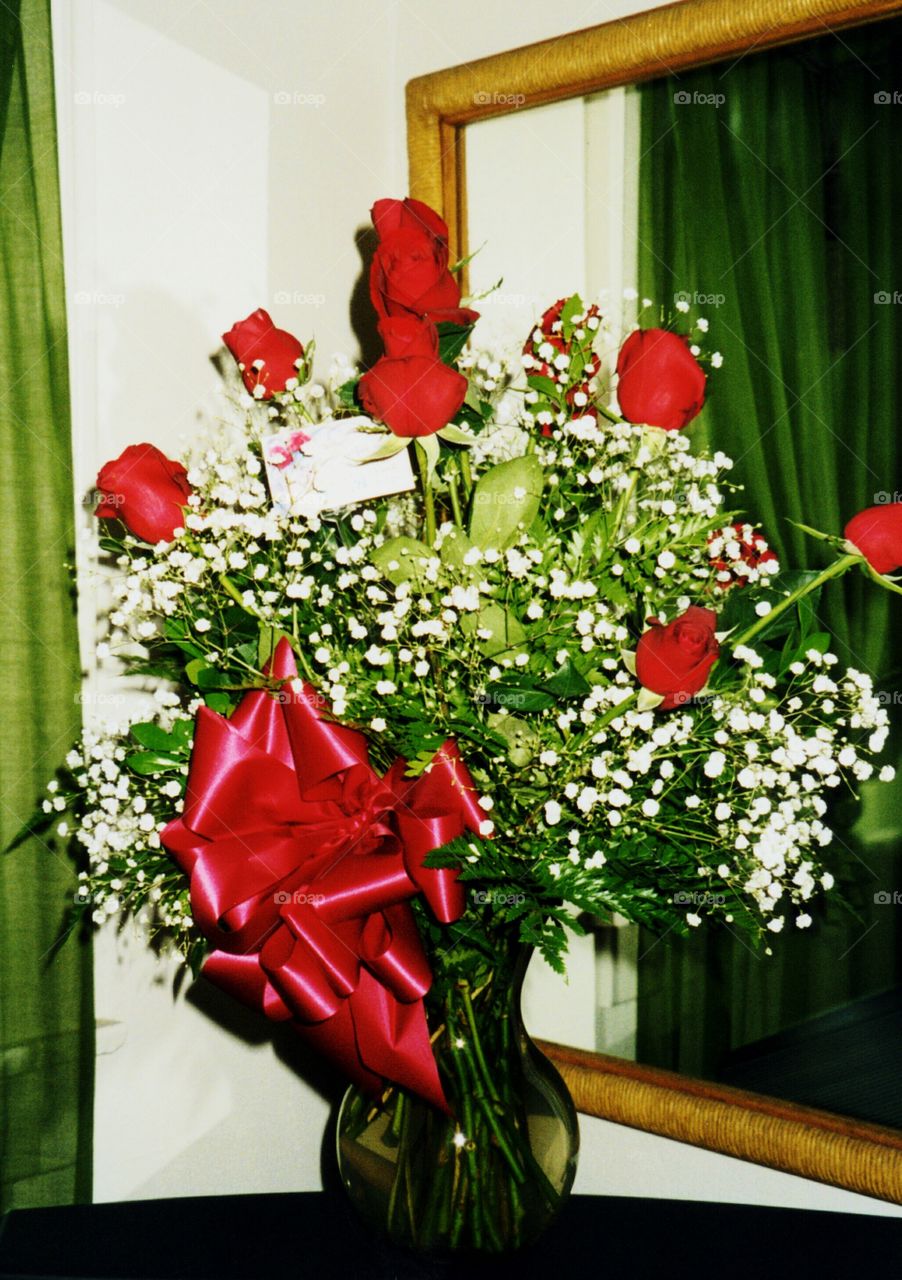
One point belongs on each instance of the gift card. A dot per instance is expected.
(319, 467)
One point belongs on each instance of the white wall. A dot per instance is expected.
(217, 156)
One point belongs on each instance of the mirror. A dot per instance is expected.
(819, 1024)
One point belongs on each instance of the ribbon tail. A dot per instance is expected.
(393, 1040)
(336, 1041)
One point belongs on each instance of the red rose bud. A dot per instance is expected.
(660, 382)
(674, 660)
(876, 533)
(739, 555)
(269, 358)
(410, 389)
(146, 491)
(409, 273)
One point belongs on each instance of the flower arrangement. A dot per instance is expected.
(402, 717)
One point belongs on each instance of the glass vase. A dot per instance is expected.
(491, 1176)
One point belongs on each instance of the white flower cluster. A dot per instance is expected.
(742, 777)
(116, 817)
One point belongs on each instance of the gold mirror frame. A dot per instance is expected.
(800, 1140)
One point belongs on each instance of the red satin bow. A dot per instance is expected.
(302, 860)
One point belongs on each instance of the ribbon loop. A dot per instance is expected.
(302, 863)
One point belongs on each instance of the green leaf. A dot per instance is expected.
(267, 641)
(505, 500)
(213, 678)
(572, 307)
(815, 533)
(151, 736)
(819, 641)
(394, 444)
(194, 668)
(882, 579)
(408, 556)
(568, 682)
(519, 696)
(347, 394)
(454, 547)
(507, 631)
(219, 702)
(148, 762)
(523, 741)
(454, 435)
(545, 386)
(452, 338)
(430, 449)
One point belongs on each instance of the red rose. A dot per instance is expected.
(876, 533)
(410, 389)
(660, 382)
(409, 273)
(146, 491)
(549, 330)
(267, 357)
(674, 660)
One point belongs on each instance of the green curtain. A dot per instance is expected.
(772, 186)
(46, 1006)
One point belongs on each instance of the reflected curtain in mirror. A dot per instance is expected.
(46, 1006)
(772, 186)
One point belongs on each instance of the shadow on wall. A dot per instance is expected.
(315, 1071)
(361, 310)
(254, 1028)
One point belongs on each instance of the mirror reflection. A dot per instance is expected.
(760, 196)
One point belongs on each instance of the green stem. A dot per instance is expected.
(230, 589)
(455, 500)
(623, 503)
(611, 415)
(428, 497)
(832, 571)
(464, 988)
(466, 473)
(398, 1127)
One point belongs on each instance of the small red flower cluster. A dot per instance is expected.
(739, 555)
(563, 354)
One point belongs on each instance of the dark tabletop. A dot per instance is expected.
(283, 1237)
